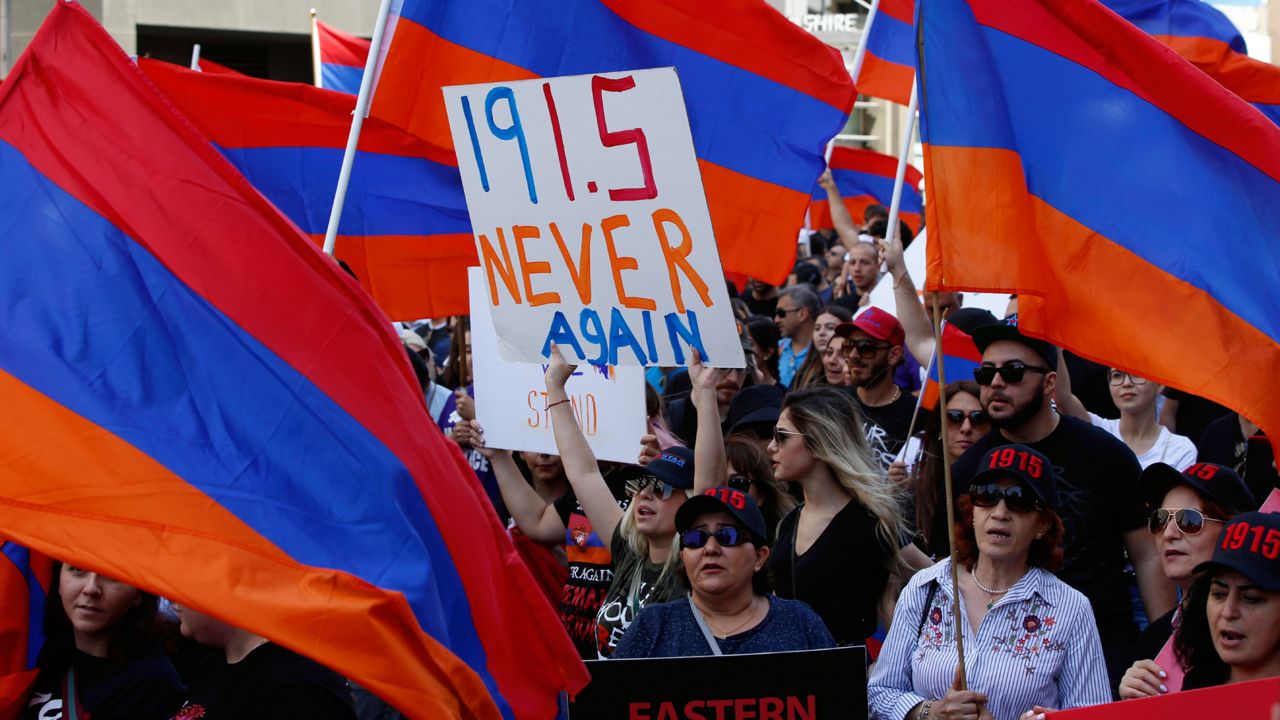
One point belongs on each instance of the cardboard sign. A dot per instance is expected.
(590, 221)
(1242, 700)
(511, 398)
(771, 686)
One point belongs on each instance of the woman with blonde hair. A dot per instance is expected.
(837, 550)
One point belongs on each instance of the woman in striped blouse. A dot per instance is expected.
(1030, 640)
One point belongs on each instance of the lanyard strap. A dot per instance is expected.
(73, 709)
(702, 625)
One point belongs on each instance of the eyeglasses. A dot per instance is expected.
(1189, 520)
(728, 536)
(976, 417)
(741, 483)
(1116, 377)
(660, 489)
(780, 435)
(1015, 497)
(1011, 372)
(866, 349)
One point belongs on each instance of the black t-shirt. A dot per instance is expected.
(763, 307)
(637, 584)
(1154, 636)
(269, 683)
(841, 576)
(1096, 477)
(1224, 443)
(1194, 413)
(590, 571)
(144, 688)
(886, 426)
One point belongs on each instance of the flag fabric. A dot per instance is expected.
(961, 356)
(214, 68)
(1204, 36)
(763, 95)
(404, 228)
(198, 402)
(24, 585)
(866, 178)
(889, 65)
(342, 59)
(1128, 199)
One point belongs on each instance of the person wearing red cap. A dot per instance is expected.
(872, 349)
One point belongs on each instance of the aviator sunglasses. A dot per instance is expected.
(728, 536)
(1011, 372)
(1016, 498)
(660, 489)
(1189, 520)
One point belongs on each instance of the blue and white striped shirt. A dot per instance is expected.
(1038, 645)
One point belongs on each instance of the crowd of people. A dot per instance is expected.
(1105, 530)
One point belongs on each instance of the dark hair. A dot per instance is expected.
(804, 297)
(880, 227)
(136, 634)
(750, 461)
(929, 484)
(767, 335)
(811, 372)
(1045, 552)
(455, 370)
(1193, 640)
(874, 210)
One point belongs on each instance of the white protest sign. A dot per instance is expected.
(914, 257)
(511, 398)
(590, 221)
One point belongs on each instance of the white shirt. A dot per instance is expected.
(1038, 645)
(1175, 450)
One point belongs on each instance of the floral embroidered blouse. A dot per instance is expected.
(1038, 645)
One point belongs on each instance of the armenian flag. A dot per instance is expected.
(763, 95)
(24, 584)
(404, 229)
(199, 402)
(342, 59)
(889, 65)
(1127, 198)
(866, 178)
(961, 356)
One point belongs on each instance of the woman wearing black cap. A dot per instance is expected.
(1231, 632)
(1188, 509)
(723, 556)
(1030, 639)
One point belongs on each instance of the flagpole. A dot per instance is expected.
(899, 178)
(357, 121)
(961, 680)
(861, 52)
(195, 56)
(316, 73)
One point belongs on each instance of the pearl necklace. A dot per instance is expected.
(987, 590)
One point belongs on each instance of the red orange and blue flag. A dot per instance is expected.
(865, 178)
(342, 59)
(961, 356)
(199, 402)
(1128, 199)
(404, 229)
(763, 95)
(24, 585)
(889, 65)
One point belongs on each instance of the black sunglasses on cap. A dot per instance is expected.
(1189, 520)
(976, 417)
(1015, 497)
(728, 536)
(1011, 372)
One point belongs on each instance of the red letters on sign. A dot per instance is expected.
(634, 136)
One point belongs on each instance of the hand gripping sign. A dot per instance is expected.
(590, 220)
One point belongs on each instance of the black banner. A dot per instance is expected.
(807, 685)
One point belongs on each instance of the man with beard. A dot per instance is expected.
(1096, 479)
(873, 347)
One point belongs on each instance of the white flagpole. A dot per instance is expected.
(861, 52)
(357, 121)
(195, 56)
(315, 50)
(899, 179)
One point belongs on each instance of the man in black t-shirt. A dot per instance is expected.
(1096, 482)
(1237, 443)
(872, 348)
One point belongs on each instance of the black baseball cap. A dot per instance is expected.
(1216, 482)
(755, 404)
(723, 499)
(1007, 329)
(673, 467)
(1019, 462)
(1249, 544)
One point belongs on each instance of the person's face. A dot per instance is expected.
(1132, 395)
(824, 328)
(716, 570)
(962, 435)
(948, 302)
(1003, 534)
(728, 382)
(864, 266)
(467, 345)
(791, 458)
(202, 628)
(95, 604)
(790, 316)
(544, 467)
(1011, 405)
(833, 362)
(867, 371)
(1244, 621)
(1180, 552)
(835, 257)
(656, 517)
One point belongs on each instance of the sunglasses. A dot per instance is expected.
(741, 483)
(728, 536)
(1116, 377)
(782, 312)
(780, 435)
(1012, 372)
(660, 489)
(1189, 520)
(976, 417)
(1015, 497)
(866, 349)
